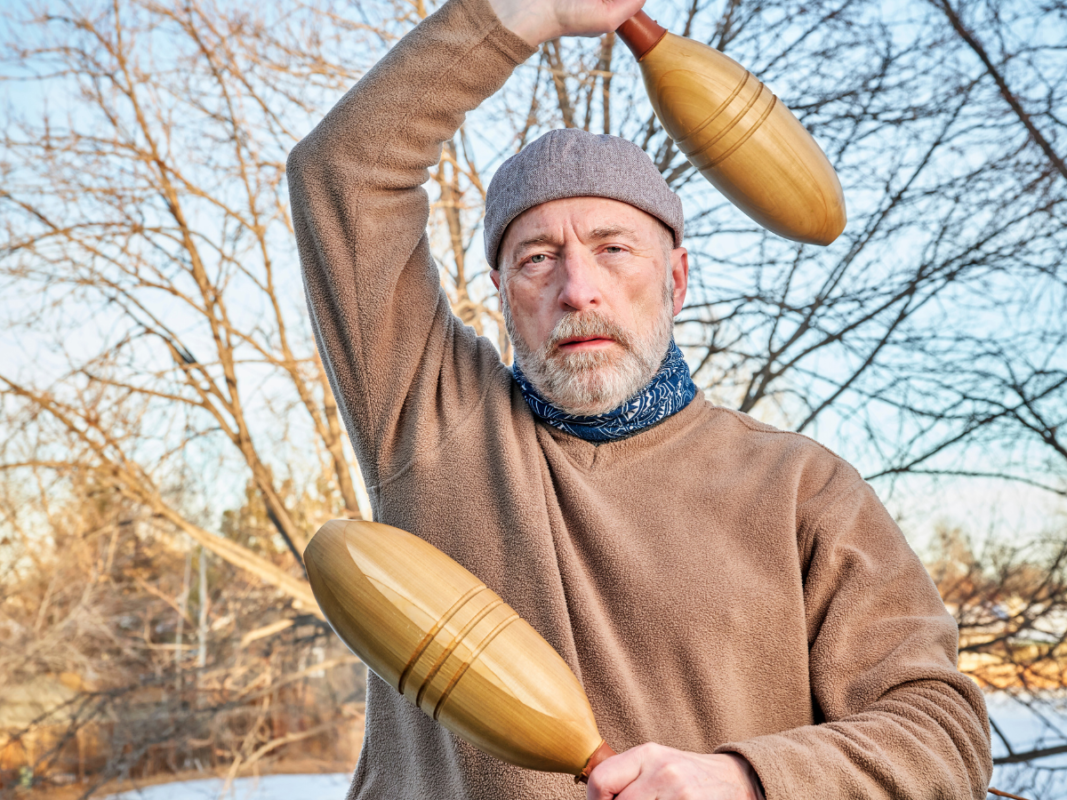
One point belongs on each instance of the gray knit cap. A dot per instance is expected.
(571, 162)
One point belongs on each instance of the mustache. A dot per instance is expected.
(590, 323)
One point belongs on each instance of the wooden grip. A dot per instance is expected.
(602, 753)
(641, 33)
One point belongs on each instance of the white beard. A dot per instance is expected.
(589, 383)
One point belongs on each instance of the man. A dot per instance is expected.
(743, 613)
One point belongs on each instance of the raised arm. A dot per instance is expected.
(382, 324)
(396, 357)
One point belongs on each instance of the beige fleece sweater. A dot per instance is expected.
(716, 584)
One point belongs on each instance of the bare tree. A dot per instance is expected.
(170, 361)
(99, 682)
(1010, 602)
(156, 205)
(166, 369)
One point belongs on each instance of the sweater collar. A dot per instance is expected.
(670, 390)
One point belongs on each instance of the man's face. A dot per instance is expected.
(589, 287)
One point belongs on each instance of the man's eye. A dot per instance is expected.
(538, 259)
(613, 248)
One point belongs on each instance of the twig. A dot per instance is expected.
(999, 793)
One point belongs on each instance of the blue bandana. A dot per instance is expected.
(669, 392)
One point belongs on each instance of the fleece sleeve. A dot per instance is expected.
(898, 720)
(403, 369)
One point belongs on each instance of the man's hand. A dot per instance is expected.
(539, 21)
(655, 772)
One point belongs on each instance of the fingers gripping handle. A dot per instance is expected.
(602, 753)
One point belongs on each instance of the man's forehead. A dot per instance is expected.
(553, 235)
(590, 217)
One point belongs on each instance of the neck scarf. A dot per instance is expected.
(669, 391)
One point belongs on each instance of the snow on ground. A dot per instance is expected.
(1019, 725)
(268, 787)
(1046, 778)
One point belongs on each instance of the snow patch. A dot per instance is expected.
(268, 787)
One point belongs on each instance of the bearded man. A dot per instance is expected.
(746, 618)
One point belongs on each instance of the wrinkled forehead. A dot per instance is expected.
(589, 220)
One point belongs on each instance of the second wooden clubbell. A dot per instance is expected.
(738, 134)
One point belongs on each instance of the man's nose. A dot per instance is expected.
(581, 280)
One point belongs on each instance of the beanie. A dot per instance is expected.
(570, 162)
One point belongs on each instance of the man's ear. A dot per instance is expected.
(680, 273)
(494, 276)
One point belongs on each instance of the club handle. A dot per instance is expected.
(641, 33)
(602, 753)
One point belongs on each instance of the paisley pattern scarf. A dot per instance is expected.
(669, 391)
